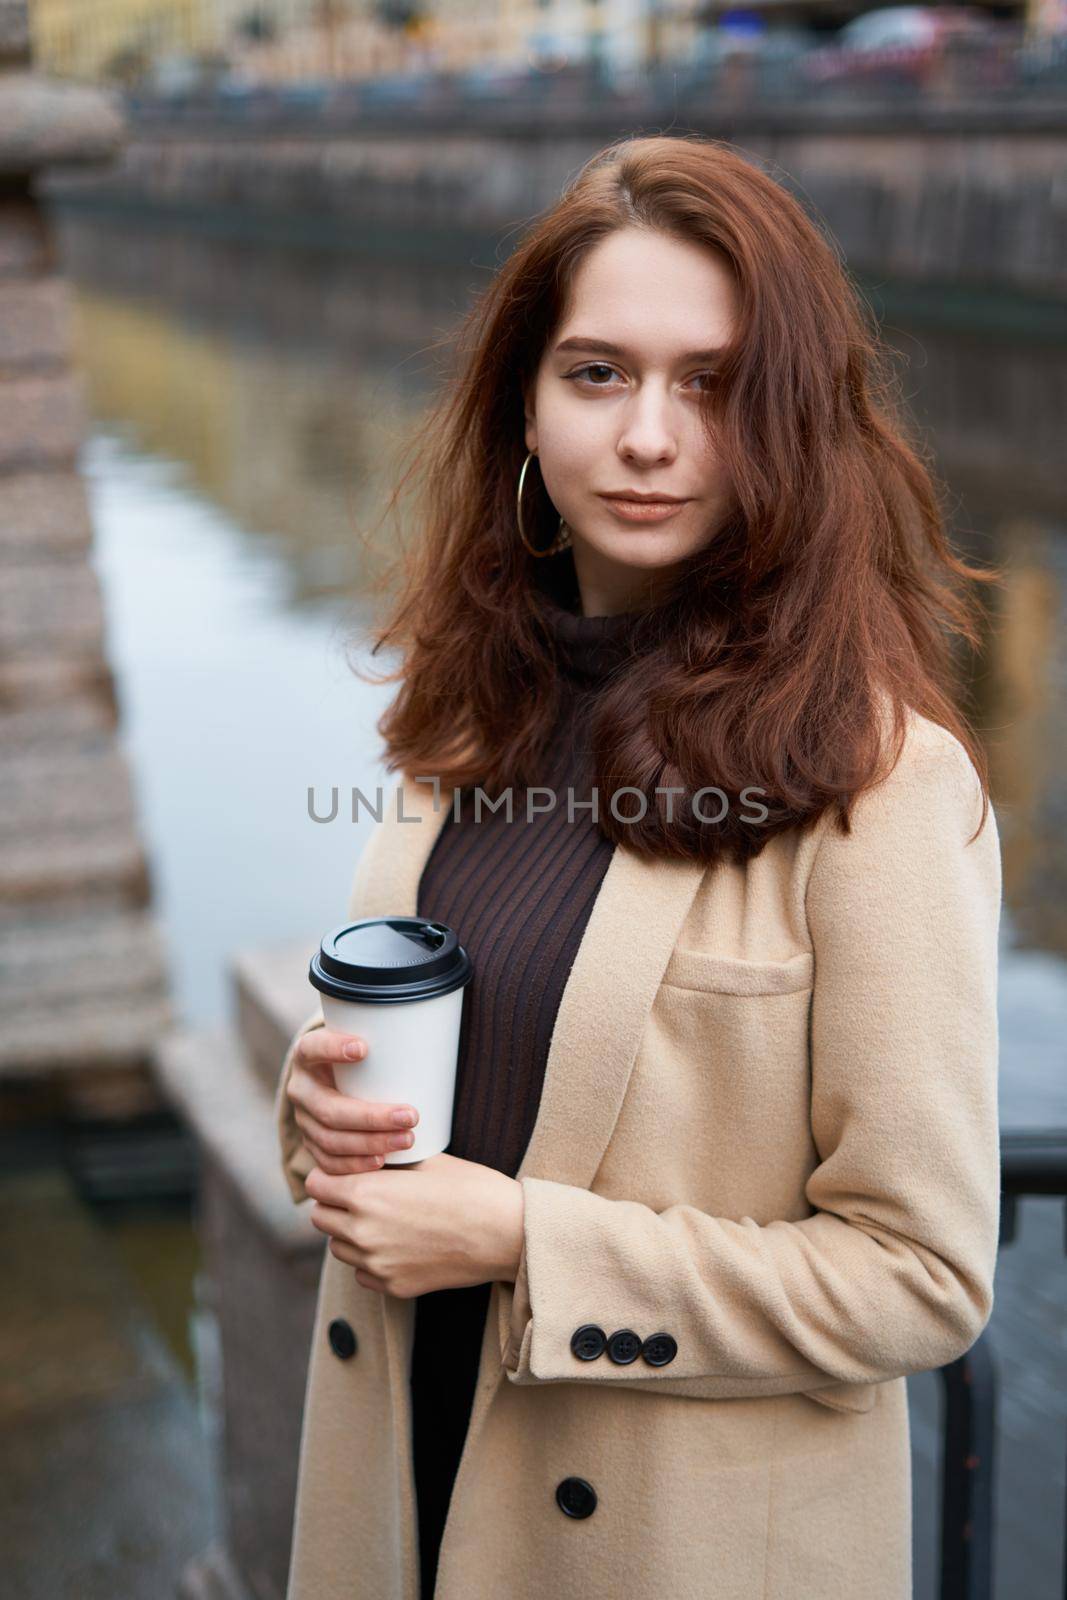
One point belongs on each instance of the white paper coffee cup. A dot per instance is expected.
(398, 982)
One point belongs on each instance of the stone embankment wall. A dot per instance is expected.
(974, 204)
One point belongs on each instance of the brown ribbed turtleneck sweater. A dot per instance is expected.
(519, 895)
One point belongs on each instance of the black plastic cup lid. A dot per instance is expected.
(385, 960)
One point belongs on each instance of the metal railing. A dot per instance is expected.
(1032, 1163)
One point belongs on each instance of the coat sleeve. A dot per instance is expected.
(892, 1273)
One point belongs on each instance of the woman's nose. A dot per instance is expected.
(648, 434)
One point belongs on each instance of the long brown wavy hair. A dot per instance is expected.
(828, 597)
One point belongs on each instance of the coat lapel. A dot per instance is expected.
(624, 950)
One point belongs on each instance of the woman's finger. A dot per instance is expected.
(369, 1281)
(345, 1252)
(344, 1143)
(340, 1166)
(346, 1113)
(326, 1045)
(352, 1257)
(328, 1219)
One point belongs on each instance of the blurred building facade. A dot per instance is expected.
(106, 39)
(299, 40)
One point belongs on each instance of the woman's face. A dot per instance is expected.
(618, 410)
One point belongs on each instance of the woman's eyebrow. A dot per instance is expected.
(603, 347)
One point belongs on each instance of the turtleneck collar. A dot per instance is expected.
(588, 648)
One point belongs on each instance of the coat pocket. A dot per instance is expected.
(694, 969)
(740, 1028)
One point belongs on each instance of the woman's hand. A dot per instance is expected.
(441, 1223)
(343, 1132)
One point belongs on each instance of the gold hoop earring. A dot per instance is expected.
(563, 536)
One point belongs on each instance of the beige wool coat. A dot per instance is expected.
(768, 1130)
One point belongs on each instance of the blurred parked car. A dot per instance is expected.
(908, 45)
(774, 42)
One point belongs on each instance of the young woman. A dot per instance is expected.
(724, 1164)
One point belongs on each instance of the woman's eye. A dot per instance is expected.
(593, 366)
(600, 366)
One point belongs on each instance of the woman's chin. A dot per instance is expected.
(646, 548)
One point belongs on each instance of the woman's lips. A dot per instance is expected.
(644, 510)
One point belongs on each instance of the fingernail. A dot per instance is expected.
(403, 1119)
(353, 1051)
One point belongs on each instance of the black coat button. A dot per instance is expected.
(624, 1346)
(341, 1337)
(658, 1349)
(588, 1341)
(576, 1497)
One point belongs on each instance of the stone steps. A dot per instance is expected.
(68, 819)
(42, 601)
(81, 991)
(69, 864)
(44, 511)
(36, 725)
(59, 785)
